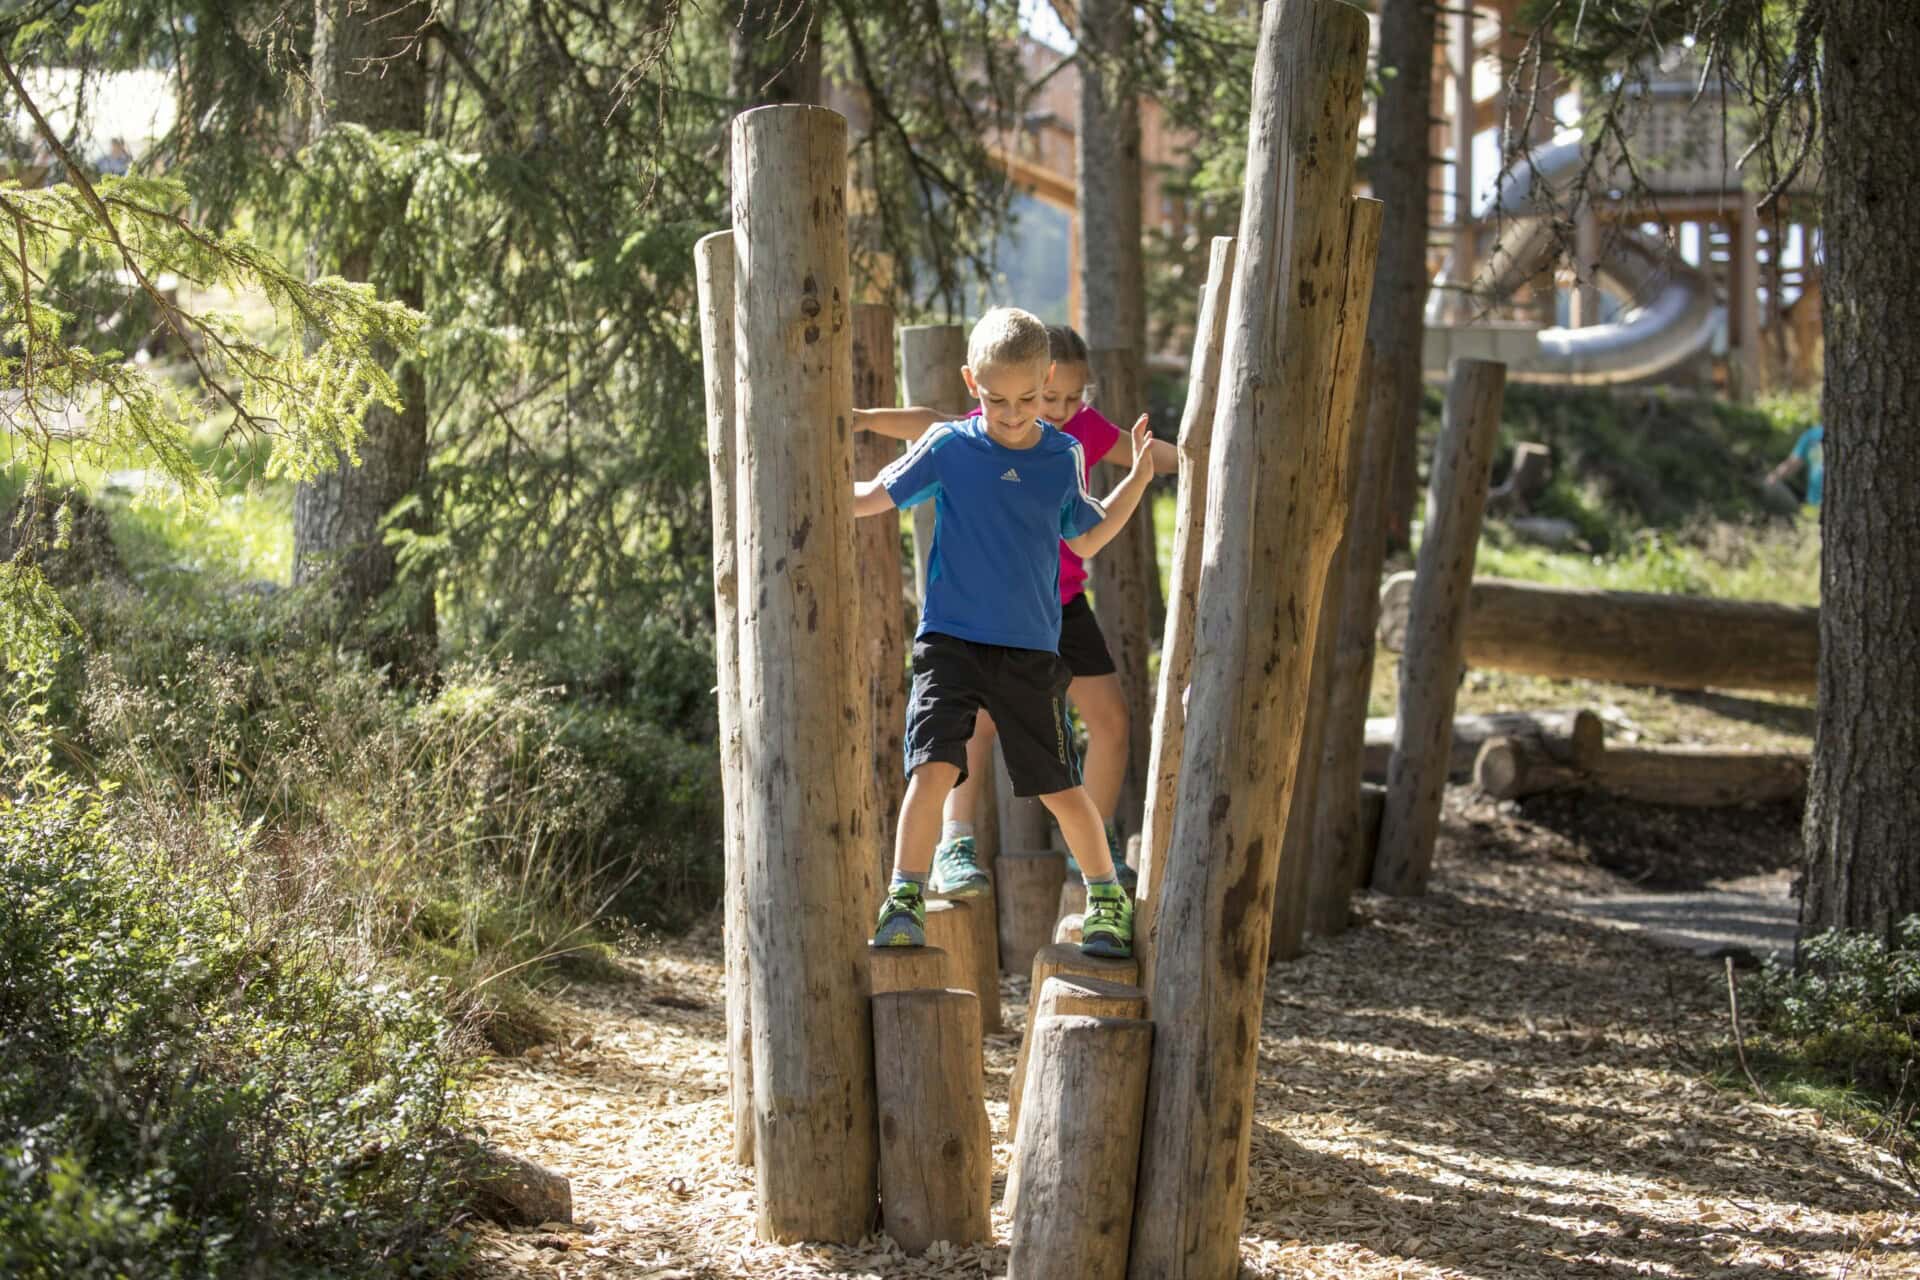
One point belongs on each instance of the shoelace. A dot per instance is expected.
(1102, 910)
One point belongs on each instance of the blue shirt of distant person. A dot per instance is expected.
(1809, 453)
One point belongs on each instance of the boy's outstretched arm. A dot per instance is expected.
(902, 424)
(870, 498)
(1125, 497)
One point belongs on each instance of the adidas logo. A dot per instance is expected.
(1010, 474)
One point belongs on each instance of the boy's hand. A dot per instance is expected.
(1142, 444)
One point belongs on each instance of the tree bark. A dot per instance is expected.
(713, 264)
(804, 728)
(368, 70)
(1077, 1148)
(1119, 577)
(1627, 637)
(1400, 179)
(936, 1149)
(883, 614)
(1176, 644)
(1430, 668)
(1263, 567)
(930, 360)
(1297, 853)
(1688, 777)
(1064, 960)
(774, 54)
(1863, 802)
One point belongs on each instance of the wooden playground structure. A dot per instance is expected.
(857, 1078)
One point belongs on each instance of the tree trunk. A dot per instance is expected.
(713, 263)
(1399, 176)
(1262, 570)
(1627, 637)
(1176, 644)
(1689, 777)
(930, 360)
(774, 54)
(1297, 852)
(1119, 576)
(1430, 668)
(1863, 803)
(936, 1149)
(368, 70)
(1078, 1147)
(1567, 736)
(883, 614)
(809, 794)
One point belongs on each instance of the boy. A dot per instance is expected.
(1010, 488)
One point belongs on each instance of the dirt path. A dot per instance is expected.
(1481, 1084)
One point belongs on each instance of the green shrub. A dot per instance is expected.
(183, 1094)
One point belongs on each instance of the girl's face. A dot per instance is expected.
(1066, 391)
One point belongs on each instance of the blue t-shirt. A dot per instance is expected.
(993, 574)
(1811, 449)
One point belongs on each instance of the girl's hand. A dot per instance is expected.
(1142, 444)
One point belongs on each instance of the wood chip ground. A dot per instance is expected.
(1476, 1085)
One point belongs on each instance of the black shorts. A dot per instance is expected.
(1024, 690)
(1082, 645)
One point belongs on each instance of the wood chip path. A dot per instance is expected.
(1476, 1085)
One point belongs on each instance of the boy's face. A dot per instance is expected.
(1009, 394)
(1065, 391)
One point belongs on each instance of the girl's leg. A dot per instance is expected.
(1104, 710)
(962, 800)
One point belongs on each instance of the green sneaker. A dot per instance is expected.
(1108, 929)
(955, 873)
(903, 918)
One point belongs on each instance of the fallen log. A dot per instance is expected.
(1575, 735)
(1628, 637)
(1691, 777)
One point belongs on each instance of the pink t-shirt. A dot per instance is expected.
(1097, 437)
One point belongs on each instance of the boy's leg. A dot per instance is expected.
(947, 678)
(903, 914)
(1107, 929)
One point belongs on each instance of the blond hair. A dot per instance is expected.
(1005, 336)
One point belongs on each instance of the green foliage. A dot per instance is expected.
(182, 1093)
(1843, 1028)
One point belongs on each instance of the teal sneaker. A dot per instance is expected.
(1108, 928)
(903, 918)
(955, 872)
(1116, 847)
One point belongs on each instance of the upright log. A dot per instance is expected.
(1028, 886)
(1176, 644)
(1430, 669)
(936, 1149)
(1077, 1148)
(1628, 637)
(930, 360)
(713, 269)
(964, 929)
(1266, 549)
(1296, 846)
(882, 632)
(1119, 577)
(808, 793)
(1024, 821)
(1073, 900)
(1070, 928)
(1058, 960)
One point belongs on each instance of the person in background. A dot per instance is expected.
(118, 159)
(1809, 454)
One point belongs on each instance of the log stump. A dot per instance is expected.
(908, 969)
(1060, 960)
(963, 928)
(1073, 901)
(936, 1150)
(1077, 1150)
(1069, 929)
(1028, 885)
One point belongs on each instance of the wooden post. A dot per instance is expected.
(1584, 311)
(1461, 58)
(1118, 576)
(1069, 929)
(964, 928)
(1073, 899)
(1626, 637)
(1430, 669)
(1028, 885)
(1077, 1148)
(808, 794)
(1266, 549)
(936, 1150)
(1024, 821)
(1066, 995)
(930, 360)
(713, 268)
(1349, 370)
(1336, 817)
(1176, 645)
(883, 616)
(1060, 960)
(907, 968)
